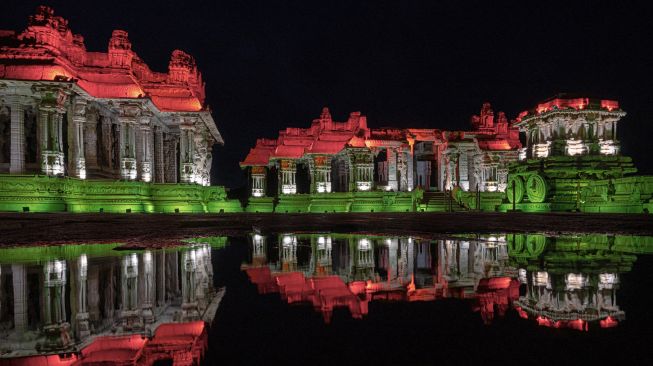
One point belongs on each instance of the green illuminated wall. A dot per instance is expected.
(592, 183)
(375, 201)
(54, 194)
(593, 253)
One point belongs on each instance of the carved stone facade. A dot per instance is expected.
(571, 127)
(68, 112)
(348, 156)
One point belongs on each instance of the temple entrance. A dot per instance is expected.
(339, 174)
(303, 179)
(272, 181)
(433, 179)
(381, 168)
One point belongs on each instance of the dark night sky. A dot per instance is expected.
(274, 64)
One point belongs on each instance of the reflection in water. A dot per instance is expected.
(565, 282)
(572, 281)
(351, 270)
(90, 304)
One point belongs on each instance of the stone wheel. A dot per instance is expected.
(536, 188)
(535, 244)
(516, 243)
(518, 191)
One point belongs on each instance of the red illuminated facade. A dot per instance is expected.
(350, 156)
(69, 111)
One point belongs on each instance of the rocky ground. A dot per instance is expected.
(157, 230)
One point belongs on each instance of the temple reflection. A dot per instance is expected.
(91, 304)
(572, 281)
(337, 270)
(560, 282)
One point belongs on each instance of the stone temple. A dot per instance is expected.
(69, 112)
(84, 131)
(562, 155)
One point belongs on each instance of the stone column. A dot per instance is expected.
(159, 161)
(17, 130)
(189, 310)
(82, 316)
(50, 119)
(288, 174)
(258, 181)
(148, 287)
(78, 160)
(130, 315)
(393, 247)
(172, 274)
(161, 278)
(90, 141)
(56, 328)
(322, 174)
(127, 148)
(19, 277)
(186, 145)
(144, 150)
(171, 166)
(392, 169)
(410, 172)
(107, 143)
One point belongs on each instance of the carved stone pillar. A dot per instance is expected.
(51, 121)
(161, 278)
(17, 130)
(159, 165)
(83, 329)
(19, 277)
(189, 266)
(410, 169)
(144, 150)
(391, 154)
(127, 148)
(171, 169)
(107, 144)
(258, 181)
(56, 328)
(186, 147)
(321, 174)
(148, 287)
(288, 173)
(90, 141)
(76, 147)
(131, 313)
